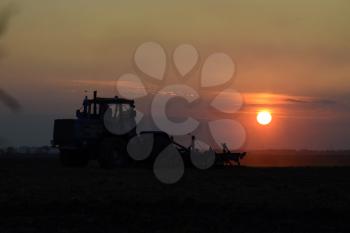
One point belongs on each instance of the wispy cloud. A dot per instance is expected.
(293, 106)
(281, 99)
(311, 100)
(93, 82)
(129, 86)
(292, 100)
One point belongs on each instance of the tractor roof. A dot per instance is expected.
(115, 100)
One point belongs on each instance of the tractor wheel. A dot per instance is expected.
(112, 154)
(73, 158)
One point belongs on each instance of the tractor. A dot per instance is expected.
(102, 129)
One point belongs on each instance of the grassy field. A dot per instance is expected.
(38, 195)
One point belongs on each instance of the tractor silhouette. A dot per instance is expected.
(102, 130)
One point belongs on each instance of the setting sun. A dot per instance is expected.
(264, 117)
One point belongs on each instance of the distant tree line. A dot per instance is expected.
(27, 150)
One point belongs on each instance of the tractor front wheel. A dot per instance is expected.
(73, 158)
(112, 154)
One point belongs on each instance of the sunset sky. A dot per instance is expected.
(292, 58)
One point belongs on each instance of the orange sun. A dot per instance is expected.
(264, 117)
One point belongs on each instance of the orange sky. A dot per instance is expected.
(292, 57)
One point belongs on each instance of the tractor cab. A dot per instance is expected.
(98, 108)
(102, 125)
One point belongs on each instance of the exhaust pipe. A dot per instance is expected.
(95, 105)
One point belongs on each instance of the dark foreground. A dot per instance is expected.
(37, 195)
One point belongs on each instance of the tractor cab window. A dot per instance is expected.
(115, 110)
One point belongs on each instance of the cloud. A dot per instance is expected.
(311, 100)
(325, 102)
(291, 100)
(280, 100)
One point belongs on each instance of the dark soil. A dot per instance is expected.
(38, 195)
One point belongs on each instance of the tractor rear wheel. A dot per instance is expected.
(112, 154)
(73, 158)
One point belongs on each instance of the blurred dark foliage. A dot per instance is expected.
(5, 15)
(9, 101)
